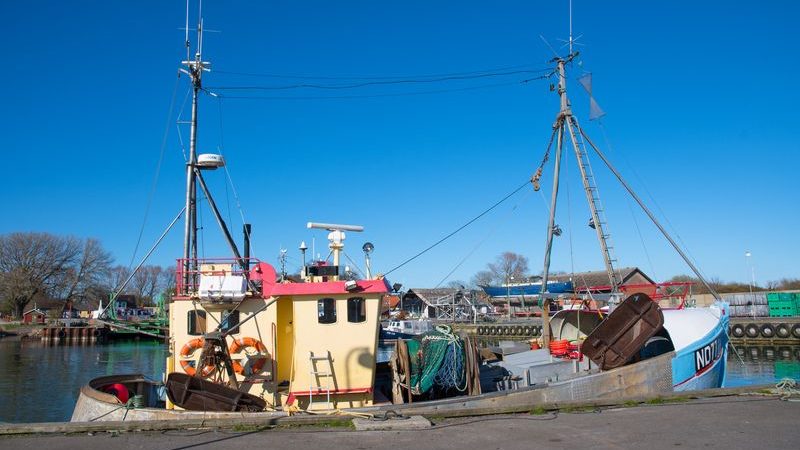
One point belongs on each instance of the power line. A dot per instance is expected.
(375, 82)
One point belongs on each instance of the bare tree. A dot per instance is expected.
(32, 264)
(509, 266)
(483, 278)
(90, 269)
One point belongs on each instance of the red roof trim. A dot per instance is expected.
(327, 288)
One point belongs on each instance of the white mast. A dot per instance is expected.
(194, 68)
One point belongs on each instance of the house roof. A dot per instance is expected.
(600, 277)
(429, 295)
(34, 310)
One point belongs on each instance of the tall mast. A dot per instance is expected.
(566, 123)
(194, 68)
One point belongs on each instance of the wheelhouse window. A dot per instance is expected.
(356, 310)
(326, 310)
(229, 320)
(196, 322)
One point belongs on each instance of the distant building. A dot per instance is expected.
(34, 316)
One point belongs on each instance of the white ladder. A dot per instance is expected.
(316, 373)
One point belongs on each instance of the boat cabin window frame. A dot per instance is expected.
(356, 310)
(228, 320)
(195, 327)
(326, 311)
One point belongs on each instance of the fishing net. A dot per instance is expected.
(437, 360)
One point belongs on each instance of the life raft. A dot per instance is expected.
(188, 365)
(259, 360)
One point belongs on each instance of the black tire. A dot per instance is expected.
(492, 330)
(796, 330)
(782, 331)
(528, 331)
(737, 330)
(751, 330)
(768, 331)
(520, 331)
(537, 330)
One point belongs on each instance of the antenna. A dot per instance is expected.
(570, 27)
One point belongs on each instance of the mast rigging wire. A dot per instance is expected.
(459, 228)
(481, 242)
(152, 193)
(387, 77)
(372, 83)
(388, 94)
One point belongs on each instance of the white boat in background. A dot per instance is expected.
(406, 328)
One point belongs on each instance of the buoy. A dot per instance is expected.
(737, 330)
(118, 390)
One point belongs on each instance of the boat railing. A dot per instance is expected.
(190, 273)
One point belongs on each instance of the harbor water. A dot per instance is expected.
(40, 383)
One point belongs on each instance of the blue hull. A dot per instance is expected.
(527, 289)
(702, 365)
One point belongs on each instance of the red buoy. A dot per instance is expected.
(118, 390)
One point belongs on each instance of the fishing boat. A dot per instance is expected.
(531, 289)
(243, 341)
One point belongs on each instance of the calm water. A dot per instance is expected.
(40, 383)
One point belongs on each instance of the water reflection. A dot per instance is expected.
(40, 383)
(762, 365)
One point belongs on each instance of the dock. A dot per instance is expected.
(713, 418)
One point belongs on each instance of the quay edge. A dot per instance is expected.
(339, 420)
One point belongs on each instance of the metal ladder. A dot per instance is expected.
(315, 373)
(593, 196)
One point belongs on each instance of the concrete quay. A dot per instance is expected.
(730, 422)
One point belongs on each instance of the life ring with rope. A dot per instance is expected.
(188, 365)
(248, 342)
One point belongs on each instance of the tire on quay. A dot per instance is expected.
(737, 330)
(796, 330)
(751, 330)
(782, 331)
(767, 330)
(520, 330)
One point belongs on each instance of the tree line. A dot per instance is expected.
(46, 267)
(510, 267)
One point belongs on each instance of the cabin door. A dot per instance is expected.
(284, 337)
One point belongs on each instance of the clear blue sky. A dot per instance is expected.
(701, 99)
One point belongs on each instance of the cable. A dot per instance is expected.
(371, 83)
(397, 94)
(459, 228)
(309, 77)
(156, 176)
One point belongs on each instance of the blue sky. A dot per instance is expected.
(700, 96)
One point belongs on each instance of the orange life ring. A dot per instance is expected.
(241, 343)
(189, 365)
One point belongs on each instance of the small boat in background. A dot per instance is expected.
(406, 328)
(532, 288)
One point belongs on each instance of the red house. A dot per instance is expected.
(34, 315)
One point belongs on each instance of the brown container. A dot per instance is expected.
(197, 394)
(624, 332)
